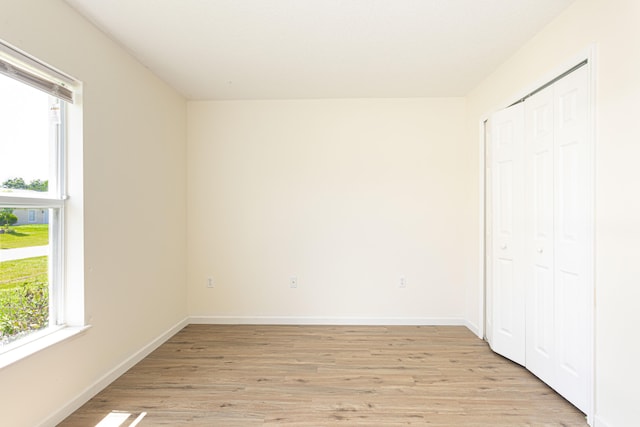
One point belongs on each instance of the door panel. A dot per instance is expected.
(568, 324)
(572, 293)
(540, 337)
(507, 291)
(539, 232)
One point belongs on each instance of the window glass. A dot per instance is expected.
(31, 157)
(24, 276)
(25, 142)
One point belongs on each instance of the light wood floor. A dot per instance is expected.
(224, 375)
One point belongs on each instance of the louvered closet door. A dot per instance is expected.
(507, 290)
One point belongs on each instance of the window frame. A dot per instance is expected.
(66, 297)
(54, 202)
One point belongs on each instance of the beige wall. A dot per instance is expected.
(346, 195)
(134, 203)
(613, 26)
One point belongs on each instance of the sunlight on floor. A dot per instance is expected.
(117, 418)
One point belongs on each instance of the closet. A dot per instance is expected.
(540, 236)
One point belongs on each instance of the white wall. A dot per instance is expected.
(134, 204)
(613, 26)
(346, 195)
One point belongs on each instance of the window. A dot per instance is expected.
(34, 101)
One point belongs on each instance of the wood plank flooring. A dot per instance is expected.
(239, 375)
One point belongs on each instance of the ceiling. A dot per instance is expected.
(283, 49)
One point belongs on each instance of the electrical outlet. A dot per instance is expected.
(210, 282)
(403, 282)
(293, 282)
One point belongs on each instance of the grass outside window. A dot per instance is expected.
(22, 236)
(24, 285)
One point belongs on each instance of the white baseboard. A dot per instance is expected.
(473, 328)
(310, 320)
(111, 376)
(599, 422)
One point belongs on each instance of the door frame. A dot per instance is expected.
(588, 55)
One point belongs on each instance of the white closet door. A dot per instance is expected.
(507, 292)
(572, 231)
(541, 229)
(539, 236)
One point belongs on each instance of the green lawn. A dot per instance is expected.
(23, 271)
(24, 297)
(25, 236)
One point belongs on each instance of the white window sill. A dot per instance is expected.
(20, 352)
